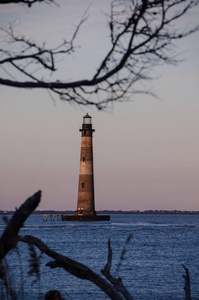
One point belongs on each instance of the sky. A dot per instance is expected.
(146, 151)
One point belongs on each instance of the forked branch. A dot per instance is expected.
(77, 269)
(116, 282)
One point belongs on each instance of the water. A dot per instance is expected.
(152, 268)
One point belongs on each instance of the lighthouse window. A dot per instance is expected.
(83, 184)
(83, 158)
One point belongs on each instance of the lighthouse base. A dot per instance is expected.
(85, 218)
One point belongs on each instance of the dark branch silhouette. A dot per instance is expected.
(73, 267)
(116, 282)
(26, 2)
(187, 286)
(141, 35)
(9, 238)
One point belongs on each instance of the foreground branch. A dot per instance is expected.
(9, 238)
(77, 269)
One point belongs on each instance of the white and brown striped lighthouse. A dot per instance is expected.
(86, 201)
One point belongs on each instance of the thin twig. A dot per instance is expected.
(116, 282)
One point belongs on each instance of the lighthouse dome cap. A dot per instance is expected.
(87, 116)
(87, 119)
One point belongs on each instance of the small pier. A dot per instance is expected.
(75, 218)
(52, 217)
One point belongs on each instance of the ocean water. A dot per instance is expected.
(151, 269)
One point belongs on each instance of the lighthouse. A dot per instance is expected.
(86, 201)
(86, 197)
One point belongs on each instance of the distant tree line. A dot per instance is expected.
(149, 212)
(112, 212)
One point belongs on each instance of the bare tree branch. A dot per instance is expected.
(142, 33)
(9, 238)
(77, 269)
(27, 2)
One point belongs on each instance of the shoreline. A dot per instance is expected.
(111, 212)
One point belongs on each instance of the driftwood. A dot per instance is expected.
(9, 238)
(77, 269)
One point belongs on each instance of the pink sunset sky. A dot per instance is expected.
(146, 151)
